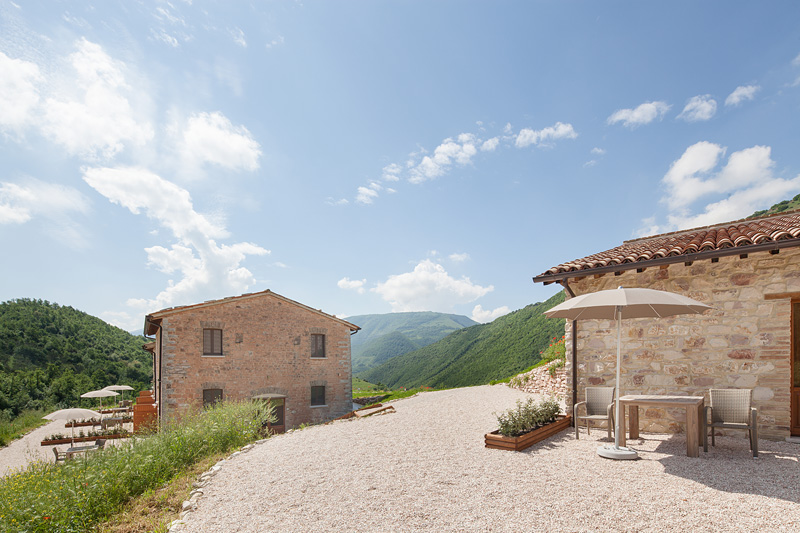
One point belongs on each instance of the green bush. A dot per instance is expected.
(79, 494)
(527, 416)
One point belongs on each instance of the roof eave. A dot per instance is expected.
(669, 260)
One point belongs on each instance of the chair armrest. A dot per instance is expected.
(575, 409)
(610, 410)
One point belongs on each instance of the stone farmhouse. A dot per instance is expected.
(748, 270)
(259, 346)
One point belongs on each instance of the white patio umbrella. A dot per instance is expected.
(74, 413)
(617, 304)
(122, 388)
(102, 393)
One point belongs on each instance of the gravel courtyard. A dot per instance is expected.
(424, 468)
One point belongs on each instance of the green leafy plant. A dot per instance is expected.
(527, 416)
(79, 494)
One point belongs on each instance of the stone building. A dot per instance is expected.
(748, 270)
(255, 346)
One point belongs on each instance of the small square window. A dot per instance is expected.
(317, 395)
(317, 345)
(211, 397)
(212, 342)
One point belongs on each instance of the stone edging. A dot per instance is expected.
(198, 486)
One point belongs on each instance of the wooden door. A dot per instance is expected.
(795, 368)
(279, 426)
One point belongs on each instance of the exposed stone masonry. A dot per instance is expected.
(744, 342)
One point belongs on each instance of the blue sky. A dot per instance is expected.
(369, 157)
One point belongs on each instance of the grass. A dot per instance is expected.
(25, 422)
(155, 509)
(81, 494)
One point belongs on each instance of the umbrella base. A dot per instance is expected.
(621, 453)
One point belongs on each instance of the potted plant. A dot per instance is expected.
(526, 424)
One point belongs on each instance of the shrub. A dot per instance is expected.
(527, 416)
(77, 495)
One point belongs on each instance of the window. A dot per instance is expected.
(317, 395)
(211, 396)
(317, 345)
(212, 342)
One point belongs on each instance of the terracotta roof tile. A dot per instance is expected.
(740, 235)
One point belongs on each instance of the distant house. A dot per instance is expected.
(748, 270)
(255, 346)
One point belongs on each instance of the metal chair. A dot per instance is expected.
(599, 405)
(732, 409)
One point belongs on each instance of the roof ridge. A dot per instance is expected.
(795, 211)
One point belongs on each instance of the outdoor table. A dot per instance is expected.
(75, 450)
(695, 421)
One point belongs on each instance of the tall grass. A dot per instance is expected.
(14, 429)
(81, 493)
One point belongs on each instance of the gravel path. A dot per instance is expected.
(21, 452)
(424, 468)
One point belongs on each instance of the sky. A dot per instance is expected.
(375, 156)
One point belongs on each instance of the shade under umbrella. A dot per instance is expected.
(74, 413)
(616, 304)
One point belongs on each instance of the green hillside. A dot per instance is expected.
(477, 354)
(385, 336)
(51, 354)
(780, 207)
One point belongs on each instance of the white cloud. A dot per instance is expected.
(796, 61)
(428, 288)
(207, 269)
(51, 203)
(212, 138)
(392, 172)
(742, 93)
(238, 37)
(19, 92)
(699, 108)
(458, 258)
(366, 195)
(598, 151)
(558, 131)
(275, 42)
(92, 115)
(746, 180)
(490, 145)
(352, 285)
(451, 151)
(644, 114)
(332, 201)
(484, 316)
(691, 177)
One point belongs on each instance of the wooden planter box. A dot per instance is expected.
(81, 424)
(499, 442)
(82, 439)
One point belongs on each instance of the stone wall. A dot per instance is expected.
(539, 381)
(744, 342)
(266, 349)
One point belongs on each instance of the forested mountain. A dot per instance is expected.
(780, 207)
(385, 336)
(477, 354)
(51, 354)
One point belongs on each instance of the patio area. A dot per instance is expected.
(424, 467)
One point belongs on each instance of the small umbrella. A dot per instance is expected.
(616, 304)
(72, 414)
(102, 393)
(122, 388)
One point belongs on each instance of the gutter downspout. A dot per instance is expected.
(565, 283)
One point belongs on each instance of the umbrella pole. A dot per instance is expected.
(618, 452)
(618, 315)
